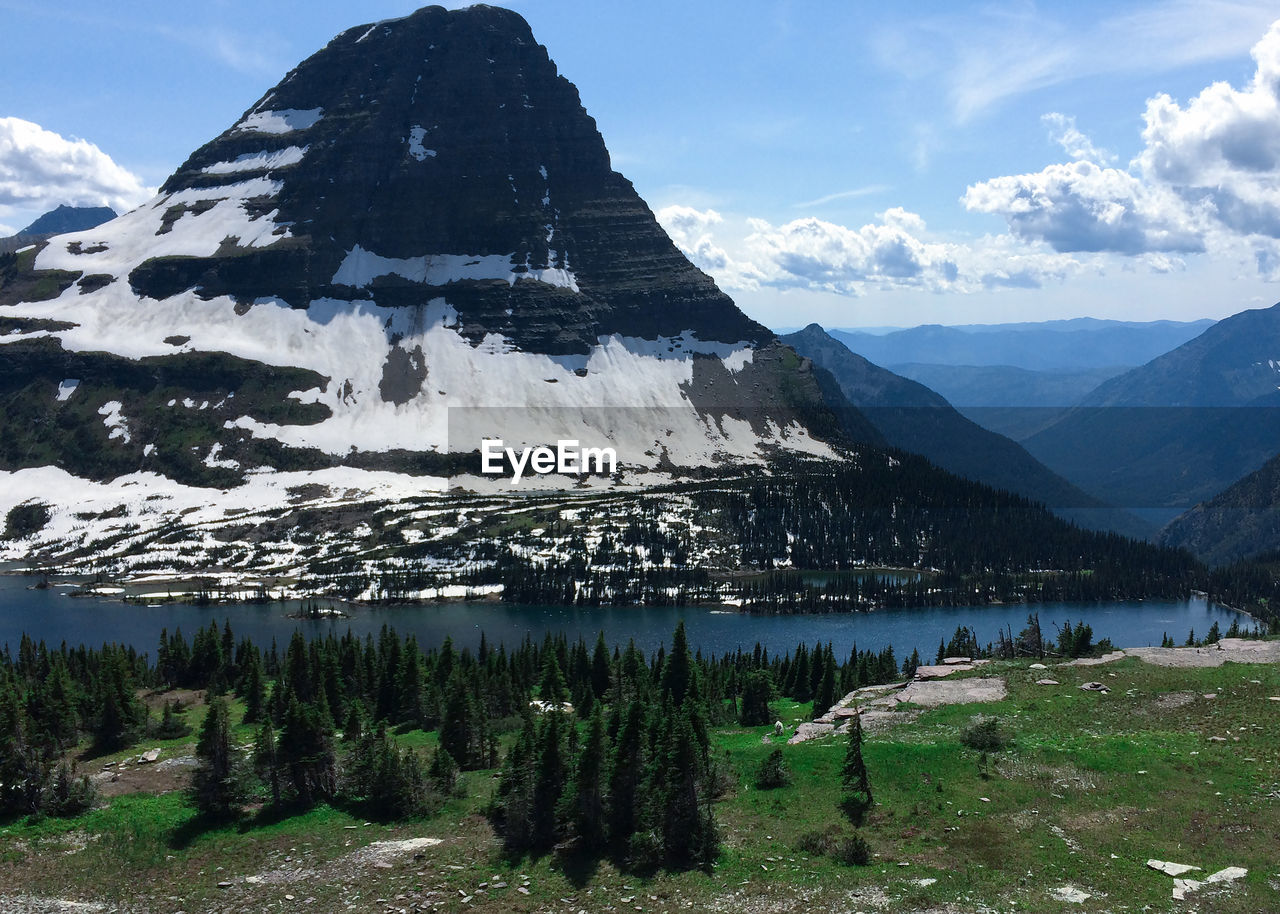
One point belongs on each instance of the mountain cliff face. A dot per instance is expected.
(414, 241)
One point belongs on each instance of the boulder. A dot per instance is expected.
(1171, 869)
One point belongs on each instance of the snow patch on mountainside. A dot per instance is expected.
(119, 246)
(416, 148)
(151, 499)
(258, 161)
(629, 393)
(286, 120)
(361, 267)
(114, 420)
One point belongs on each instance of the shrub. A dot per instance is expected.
(851, 850)
(773, 772)
(984, 735)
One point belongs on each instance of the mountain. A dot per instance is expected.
(63, 219)
(69, 219)
(1015, 402)
(1242, 521)
(413, 242)
(1181, 428)
(1070, 346)
(913, 418)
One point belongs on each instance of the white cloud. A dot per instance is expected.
(867, 191)
(1223, 148)
(1080, 206)
(40, 169)
(893, 252)
(1063, 131)
(1206, 179)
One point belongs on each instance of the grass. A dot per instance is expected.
(1087, 789)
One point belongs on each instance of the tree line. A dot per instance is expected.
(593, 750)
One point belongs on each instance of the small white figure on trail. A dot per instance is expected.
(777, 727)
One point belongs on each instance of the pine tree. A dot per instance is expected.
(550, 774)
(266, 761)
(627, 775)
(513, 805)
(688, 831)
(305, 752)
(757, 692)
(552, 688)
(853, 775)
(216, 784)
(587, 813)
(443, 773)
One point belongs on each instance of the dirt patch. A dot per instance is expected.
(1171, 701)
(30, 904)
(162, 776)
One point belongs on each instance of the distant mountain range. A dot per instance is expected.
(911, 417)
(1072, 346)
(1181, 428)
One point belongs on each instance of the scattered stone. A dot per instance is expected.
(1046, 682)
(1217, 739)
(1094, 687)
(149, 756)
(952, 661)
(1211, 695)
(1037, 666)
(224, 885)
(810, 730)
(926, 882)
(1071, 893)
(1171, 869)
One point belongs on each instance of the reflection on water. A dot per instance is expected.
(54, 616)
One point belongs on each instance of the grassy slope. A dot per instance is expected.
(1061, 802)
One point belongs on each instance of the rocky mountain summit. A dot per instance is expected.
(414, 241)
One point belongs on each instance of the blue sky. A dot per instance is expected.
(852, 163)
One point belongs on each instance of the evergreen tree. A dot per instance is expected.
(587, 812)
(443, 773)
(216, 783)
(853, 775)
(306, 754)
(550, 775)
(757, 692)
(266, 760)
(773, 772)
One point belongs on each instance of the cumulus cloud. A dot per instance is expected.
(1206, 178)
(1082, 206)
(894, 251)
(40, 169)
(1223, 148)
(692, 229)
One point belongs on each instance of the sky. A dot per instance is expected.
(854, 164)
